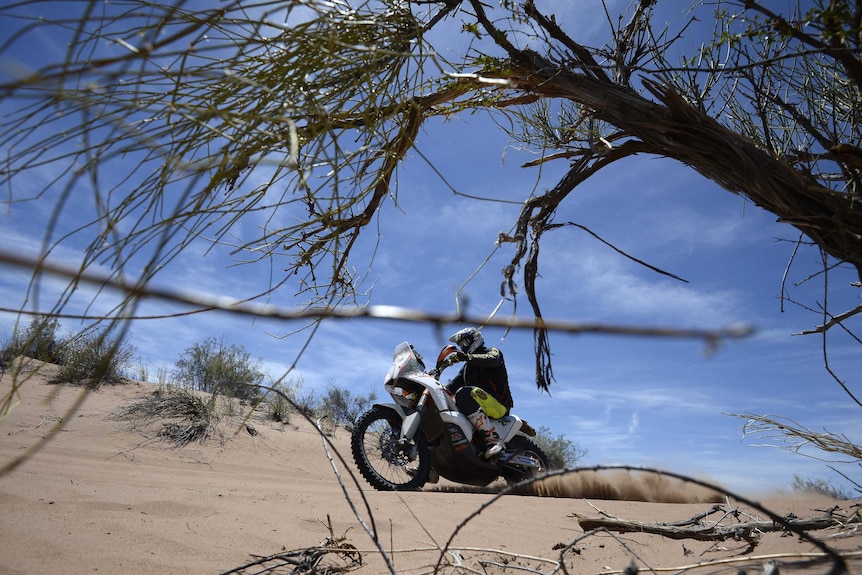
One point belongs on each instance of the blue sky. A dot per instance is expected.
(627, 400)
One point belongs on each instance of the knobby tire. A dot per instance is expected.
(373, 444)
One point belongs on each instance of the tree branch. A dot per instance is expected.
(748, 531)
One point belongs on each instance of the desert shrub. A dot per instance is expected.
(562, 452)
(343, 407)
(94, 358)
(820, 486)
(184, 416)
(218, 368)
(279, 408)
(308, 402)
(279, 404)
(5, 355)
(181, 416)
(40, 340)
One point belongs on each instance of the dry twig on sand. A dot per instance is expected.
(693, 528)
(343, 557)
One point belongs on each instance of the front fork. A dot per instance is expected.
(410, 425)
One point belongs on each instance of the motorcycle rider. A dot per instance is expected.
(481, 387)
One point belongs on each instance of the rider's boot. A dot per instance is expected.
(483, 425)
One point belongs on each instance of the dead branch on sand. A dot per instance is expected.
(344, 558)
(771, 559)
(308, 560)
(746, 531)
(693, 528)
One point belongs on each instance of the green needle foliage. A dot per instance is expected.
(294, 114)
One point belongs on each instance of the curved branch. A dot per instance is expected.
(626, 255)
(675, 129)
(833, 321)
(535, 216)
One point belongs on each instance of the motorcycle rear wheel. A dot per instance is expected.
(386, 465)
(516, 474)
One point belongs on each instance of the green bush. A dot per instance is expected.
(307, 402)
(5, 355)
(278, 402)
(561, 451)
(343, 407)
(94, 358)
(218, 368)
(39, 340)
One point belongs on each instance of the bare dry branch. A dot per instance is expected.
(787, 434)
(833, 321)
(203, 302)
(748, 531)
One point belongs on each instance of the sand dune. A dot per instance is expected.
(104, 497)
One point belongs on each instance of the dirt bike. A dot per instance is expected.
(422, 436)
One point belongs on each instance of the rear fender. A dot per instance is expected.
(508, 427)
(527, 429)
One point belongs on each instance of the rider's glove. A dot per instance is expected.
(454, 358)
(458, 356)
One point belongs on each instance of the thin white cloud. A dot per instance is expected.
(633, 424)
(608, 285)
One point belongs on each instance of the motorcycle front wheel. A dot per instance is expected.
(384, 461)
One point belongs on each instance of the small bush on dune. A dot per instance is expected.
(561, 451)
(40, 340)
(338, 406)
(343, 407)
(307, 402)
(5, 356)
(93, 359)
(279, 408)
(185, 416)
(215, 366)
(278, 402)
(142, 372)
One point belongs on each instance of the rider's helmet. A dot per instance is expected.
(468, 339)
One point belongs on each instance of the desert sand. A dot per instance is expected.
(103, 496)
